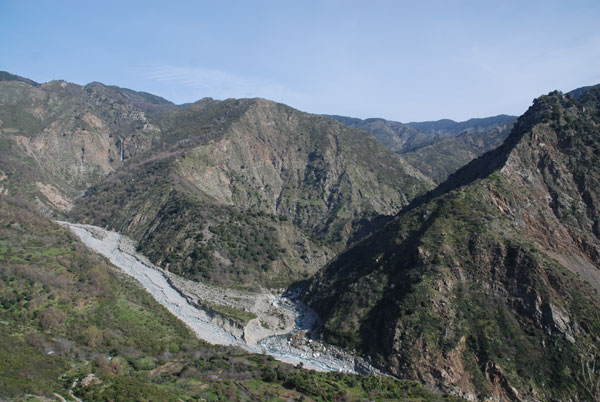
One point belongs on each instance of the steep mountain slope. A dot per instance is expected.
(251, 190)
(58, 138)
(488, 284)
(437, 148)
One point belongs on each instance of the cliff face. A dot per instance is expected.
(249, 190)
(488, 284)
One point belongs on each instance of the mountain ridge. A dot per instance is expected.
(283, 167)
(484, 287)
(437, 148)
(462, 285)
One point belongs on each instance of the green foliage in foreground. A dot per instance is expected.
(66, 314)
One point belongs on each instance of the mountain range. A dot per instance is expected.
(437, 148)
(463, 256)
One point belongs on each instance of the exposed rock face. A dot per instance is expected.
(230, 185)
(488, 284)
(246, 190)
(67, 137)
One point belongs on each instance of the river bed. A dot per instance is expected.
(291, 347)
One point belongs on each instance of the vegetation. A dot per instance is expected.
(237, 315)
(437, 148)
(478, 272)
(468, 289)
(67, 314)
(226, 198)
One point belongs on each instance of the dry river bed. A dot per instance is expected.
(279, 328)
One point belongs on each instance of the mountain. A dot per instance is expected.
(398, 137)
(444, 155)
(73, 326)
(6, 76)
(451, 128)
(232, 191)
(488, 285)
(437, 148)
(58, 138)
(251, 191)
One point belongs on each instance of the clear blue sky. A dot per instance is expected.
(401, 60)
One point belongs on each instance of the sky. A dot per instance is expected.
(399, 60)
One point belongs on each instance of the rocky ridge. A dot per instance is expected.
(487, 286)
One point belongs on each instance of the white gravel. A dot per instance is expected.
(152, 279)
(292, 347)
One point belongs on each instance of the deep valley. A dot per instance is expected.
(282, 255)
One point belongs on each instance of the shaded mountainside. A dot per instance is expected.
(58, 138)
(437, 148)
(251, 190)
(71, 324)
(444, 155)
(488, 284)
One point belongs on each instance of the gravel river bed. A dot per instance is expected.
(287, 341)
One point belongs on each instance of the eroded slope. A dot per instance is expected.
(58, 138)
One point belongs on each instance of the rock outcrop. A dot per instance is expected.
(58, 138)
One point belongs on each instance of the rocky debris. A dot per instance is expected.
(153, 280)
